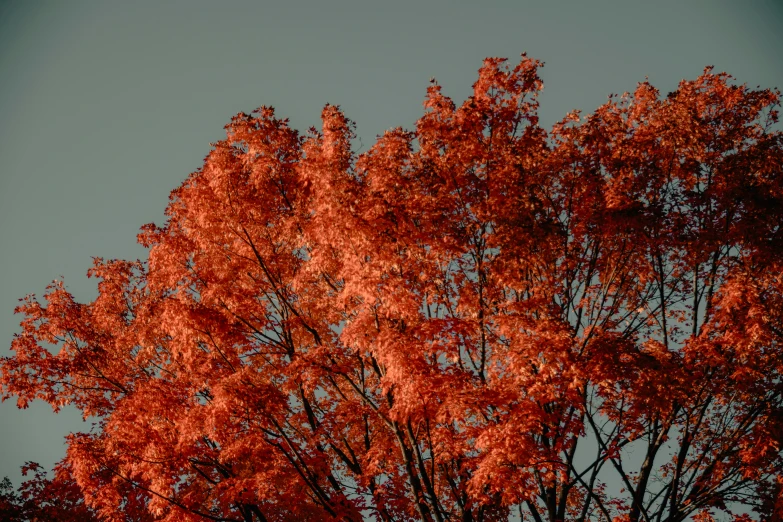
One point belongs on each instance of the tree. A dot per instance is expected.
(9, 501)
(474, 319)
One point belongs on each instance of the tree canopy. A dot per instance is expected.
(475, 319)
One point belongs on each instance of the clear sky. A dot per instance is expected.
(106, 106)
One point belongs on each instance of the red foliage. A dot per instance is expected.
(471, 318)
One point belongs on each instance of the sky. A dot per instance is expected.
(106, 106)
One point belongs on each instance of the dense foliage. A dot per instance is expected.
(475, 319)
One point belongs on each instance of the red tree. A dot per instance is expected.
(474, 319)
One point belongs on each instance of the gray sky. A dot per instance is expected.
(106, 106)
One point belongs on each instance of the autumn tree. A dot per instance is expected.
(471, 320)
